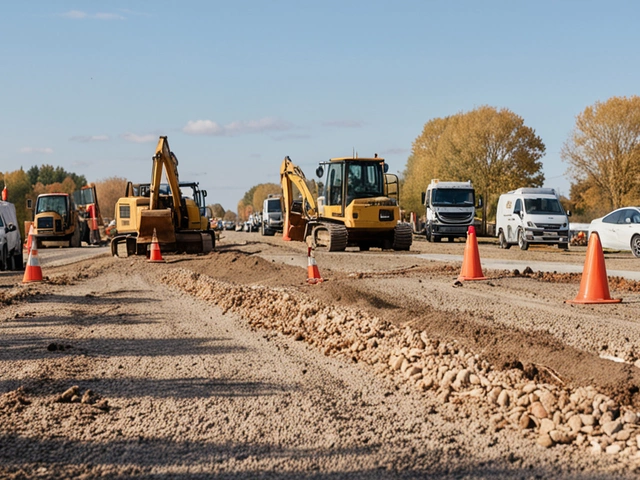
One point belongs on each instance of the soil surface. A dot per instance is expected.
(232, 364)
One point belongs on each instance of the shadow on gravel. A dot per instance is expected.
(148, 459)
(113, 388)
(37, 347)
(77, 318)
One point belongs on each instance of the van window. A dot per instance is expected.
(518, 206)
(544, 206)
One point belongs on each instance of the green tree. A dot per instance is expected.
(604, 150)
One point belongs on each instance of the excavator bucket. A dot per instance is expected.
(159, 220)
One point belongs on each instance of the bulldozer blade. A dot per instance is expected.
(194, 242)
(161, 221)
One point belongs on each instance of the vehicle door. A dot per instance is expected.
(628, 226)
(608, 230)
(514, 221)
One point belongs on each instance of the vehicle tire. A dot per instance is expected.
(262, 230)
(18, 262)
(76, 239)
(435, 238)
(427, 233)
(563, 246)
(450, 239)
(502, 241)
(363, 247)
(3, 259)
(635, 246)
(522, 243)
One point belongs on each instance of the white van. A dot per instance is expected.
(529, 216)
(10, 241)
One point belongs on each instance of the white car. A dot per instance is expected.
(619, 230)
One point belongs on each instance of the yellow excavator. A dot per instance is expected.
(357, 206)
(179, 222)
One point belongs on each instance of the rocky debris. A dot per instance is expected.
(14, 401)
(553, 413)
(89, 397)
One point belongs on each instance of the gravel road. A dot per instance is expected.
(230, 365)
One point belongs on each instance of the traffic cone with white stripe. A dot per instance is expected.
(155, 255)
(32, 272)
(313, 273)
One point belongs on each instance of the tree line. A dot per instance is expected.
(496, 151)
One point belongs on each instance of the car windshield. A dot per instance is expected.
(543, 206)
(451, 197)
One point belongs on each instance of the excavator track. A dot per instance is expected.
(333, 236)
(402, 236)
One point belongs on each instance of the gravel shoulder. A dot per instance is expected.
(230, 364)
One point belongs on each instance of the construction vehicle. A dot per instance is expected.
(86, 199)
(57, 221)
(180, 223)
(358, 206)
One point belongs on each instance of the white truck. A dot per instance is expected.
(10, 242)
(529, 216)
(272, 221)
(450, 209)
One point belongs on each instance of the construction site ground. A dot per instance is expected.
(232, 365)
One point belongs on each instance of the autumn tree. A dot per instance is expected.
(218, 210)
(491, 147)
(261, 192)
(108, 191)
(423, 164)
(604, 150)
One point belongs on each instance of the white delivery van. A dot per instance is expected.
(449, 209)
(10, 241)
(529, 216)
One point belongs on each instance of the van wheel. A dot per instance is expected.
(502, 241)
(635, 246)
(4, 259)
(522, 243)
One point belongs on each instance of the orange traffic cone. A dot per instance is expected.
(312, 270)
(155, 255)
(29, 241)
(471, 268)
(594, 286)
(32, 271)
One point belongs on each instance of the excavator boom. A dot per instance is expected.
(297, 212)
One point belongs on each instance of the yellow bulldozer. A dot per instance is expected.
(356, 207)
(180, 222)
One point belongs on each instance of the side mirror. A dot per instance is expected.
(568, 213)
(319, 171)
(29, 204)
(424, 197)
(479, 202)
(386, 168)
(11, 228)
(517, 212)
(204, 193)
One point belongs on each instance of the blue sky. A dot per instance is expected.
(237, 85)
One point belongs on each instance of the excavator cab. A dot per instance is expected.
(357, 206)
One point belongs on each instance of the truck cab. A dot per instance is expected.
(271, 215)
(450, 209)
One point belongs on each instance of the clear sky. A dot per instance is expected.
(237, 85)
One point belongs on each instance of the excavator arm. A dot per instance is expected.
(297, 213)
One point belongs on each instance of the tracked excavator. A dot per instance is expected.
(179, 222)
(357, 206)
